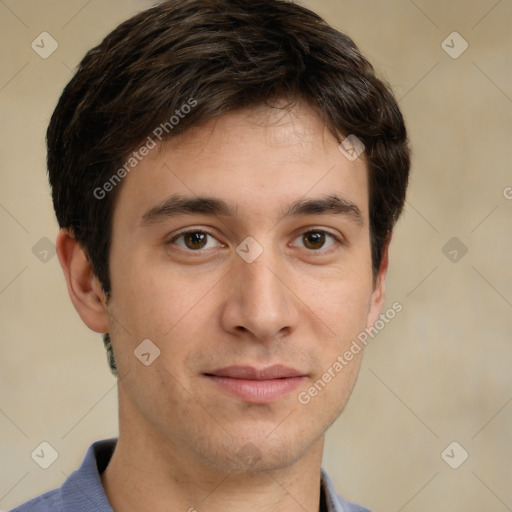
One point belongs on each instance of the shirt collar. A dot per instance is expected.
(333, 502)
(83, 489)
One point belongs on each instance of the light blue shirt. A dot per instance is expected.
(83, 491)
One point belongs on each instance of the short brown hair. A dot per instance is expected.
(225, 55)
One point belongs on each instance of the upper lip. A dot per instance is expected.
(276, 371)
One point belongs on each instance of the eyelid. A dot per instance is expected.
(192, 229)
(338, 238)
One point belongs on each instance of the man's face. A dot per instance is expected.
(221, 308)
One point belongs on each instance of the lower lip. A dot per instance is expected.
(258, 391)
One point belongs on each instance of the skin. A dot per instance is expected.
(180, 434)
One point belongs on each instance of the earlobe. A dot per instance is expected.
(83, 286)
(379, 290)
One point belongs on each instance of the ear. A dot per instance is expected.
(84, 288)
(379, 290)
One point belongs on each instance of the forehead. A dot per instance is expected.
(254, 159)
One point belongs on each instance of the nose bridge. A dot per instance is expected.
(260, 303)
(262, 286)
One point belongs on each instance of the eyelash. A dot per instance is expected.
(189, 231)
(337, 240)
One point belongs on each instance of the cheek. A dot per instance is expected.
(342, 305)
(341, 301)
(167, 309)
(151, 298)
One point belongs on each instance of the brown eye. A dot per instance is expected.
(313, 240)
(195, 240)
(317, 241)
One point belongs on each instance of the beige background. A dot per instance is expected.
(439, 372)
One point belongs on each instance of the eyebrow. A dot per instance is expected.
(331, 204)
(177, 205)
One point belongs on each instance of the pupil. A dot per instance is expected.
(195, 240)
(314, 240)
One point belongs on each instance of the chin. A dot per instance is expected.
(257, 453)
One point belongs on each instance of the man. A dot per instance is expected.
(226, 175)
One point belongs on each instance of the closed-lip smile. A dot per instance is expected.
(255, 385)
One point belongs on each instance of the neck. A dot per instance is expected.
(148, 472)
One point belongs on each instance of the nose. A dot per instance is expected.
(260, 303)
